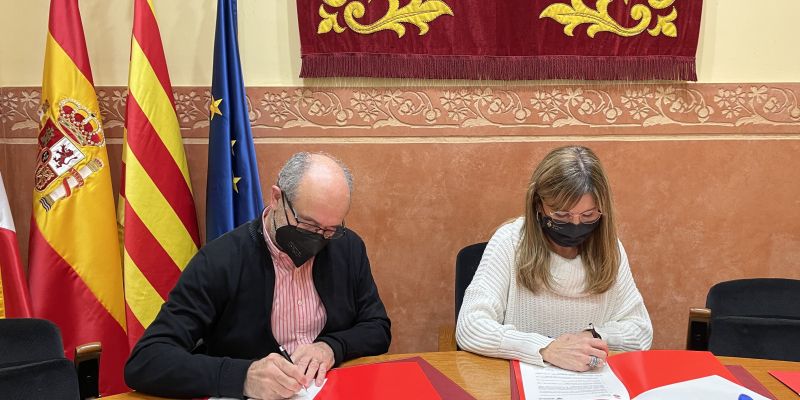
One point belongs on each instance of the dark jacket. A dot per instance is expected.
(224, 297)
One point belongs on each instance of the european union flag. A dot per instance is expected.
(234, 190)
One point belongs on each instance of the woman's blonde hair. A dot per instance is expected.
(560, 180)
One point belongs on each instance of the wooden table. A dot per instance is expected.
(488, 379)
(759, 369)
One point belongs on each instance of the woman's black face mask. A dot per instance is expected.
(569, 234)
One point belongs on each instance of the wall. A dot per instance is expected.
(695, 168)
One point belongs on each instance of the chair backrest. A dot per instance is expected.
(467, 262)
(28, 339)
(32, 361)
(760, 297)
(50, 379)
(756, 318)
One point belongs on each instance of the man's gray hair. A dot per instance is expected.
(295, 168)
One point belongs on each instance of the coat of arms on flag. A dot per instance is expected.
(60, 151)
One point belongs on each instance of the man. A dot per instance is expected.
(295, 277)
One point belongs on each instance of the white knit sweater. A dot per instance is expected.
(501, 318)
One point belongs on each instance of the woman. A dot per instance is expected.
(554, 285)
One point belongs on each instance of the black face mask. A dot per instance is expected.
(298, 243)
(569, 234)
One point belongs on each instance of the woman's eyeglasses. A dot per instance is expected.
(566, 217)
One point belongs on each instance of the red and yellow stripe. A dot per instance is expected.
(75, 270)
(160, 224)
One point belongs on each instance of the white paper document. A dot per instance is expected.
(304, 394)
(711, 387)
(553, 383)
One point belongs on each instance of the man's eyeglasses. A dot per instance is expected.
(310, 228)
(566, 217)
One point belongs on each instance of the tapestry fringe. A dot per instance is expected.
(612, 68)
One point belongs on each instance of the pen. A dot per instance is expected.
(594, 332)
(285, 354)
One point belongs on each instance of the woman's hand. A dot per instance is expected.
(574, 351)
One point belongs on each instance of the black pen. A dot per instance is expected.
(285, 354)
(592, 331)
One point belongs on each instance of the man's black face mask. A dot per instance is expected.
(298, 243)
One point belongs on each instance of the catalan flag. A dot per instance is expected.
(160, 225)
(14, 297)
(233, 194)
(74, 261)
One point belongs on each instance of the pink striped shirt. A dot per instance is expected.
(298, 315)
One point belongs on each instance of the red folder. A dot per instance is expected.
(788, 378)
(385, 381)
(749, 381)
(446, 388)
(641, 371)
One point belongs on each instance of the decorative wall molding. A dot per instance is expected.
(630, 107)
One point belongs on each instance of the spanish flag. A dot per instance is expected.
(14, 297)
(156, 207)
(74, 260)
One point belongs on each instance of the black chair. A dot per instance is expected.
(33, 365)
(754, 318)
(467, 262)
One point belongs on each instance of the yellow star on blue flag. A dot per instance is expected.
(236, 180)
(214, 107)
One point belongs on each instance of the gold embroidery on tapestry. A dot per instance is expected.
(600, 20)
(416, 12)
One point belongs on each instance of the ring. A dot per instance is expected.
(593, 361)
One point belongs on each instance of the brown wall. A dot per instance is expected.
(704, 177)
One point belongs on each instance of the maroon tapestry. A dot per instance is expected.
(501, 39)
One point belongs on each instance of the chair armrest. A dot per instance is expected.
(447, 338)
(698, 329)
(87, 365)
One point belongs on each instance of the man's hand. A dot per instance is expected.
(272, 377)
(314, 359)
(573, 351)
